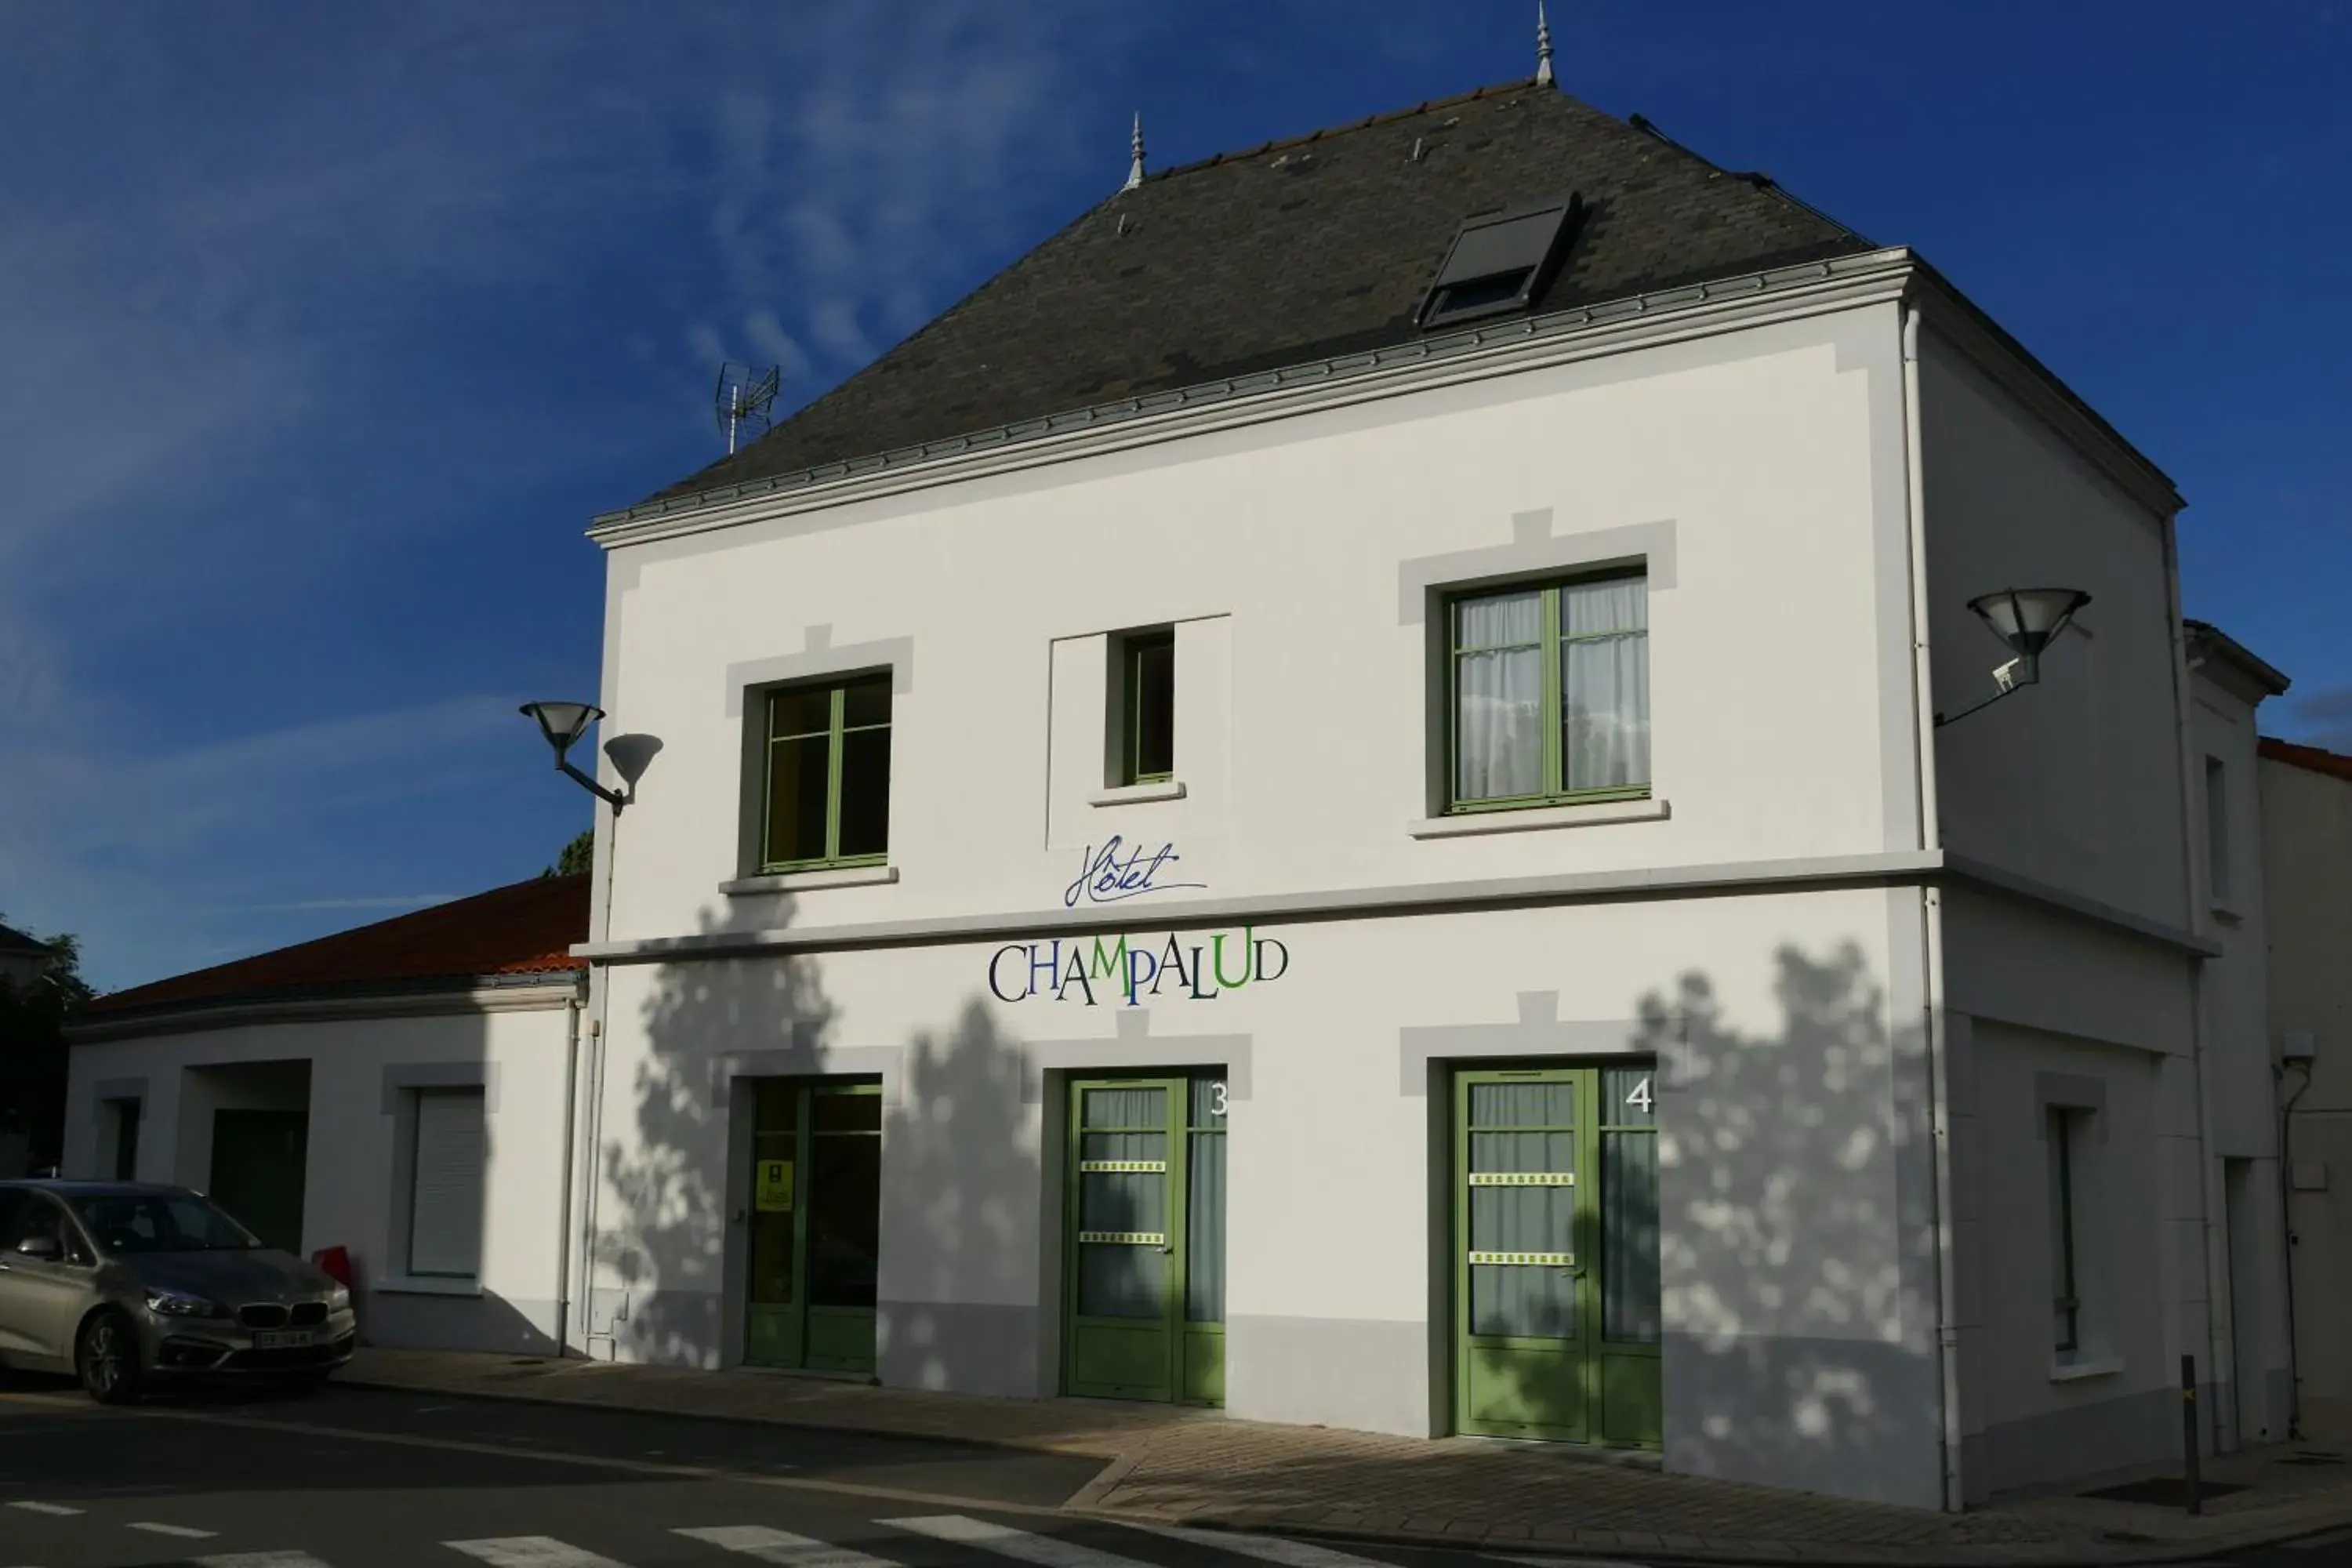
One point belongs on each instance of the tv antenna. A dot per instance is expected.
(743, 401)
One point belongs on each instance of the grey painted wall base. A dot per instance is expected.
(484, 1322)
(972, 1349)
(1855, 1418)
(2141, 1428)
(1368, 1376)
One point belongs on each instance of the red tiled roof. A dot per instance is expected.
(2312, 757)
(528, 928)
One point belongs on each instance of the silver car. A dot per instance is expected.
(122, 1282)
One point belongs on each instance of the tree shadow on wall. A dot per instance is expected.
(664, 1217)
(961, 1200)
(1795, 1259)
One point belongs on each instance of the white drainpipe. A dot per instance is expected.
(1931, 932)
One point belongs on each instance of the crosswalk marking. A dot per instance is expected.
(1045, 1550)
(180, 1532)
(58, 1509)
(2333, 1538)
(781, 1546)
(531, 1551)
(261, 1560)
(1267, 1548)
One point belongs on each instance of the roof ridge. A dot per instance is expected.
(1384, 117)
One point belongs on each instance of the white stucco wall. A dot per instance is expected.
(2306, 859)
(355, 1065)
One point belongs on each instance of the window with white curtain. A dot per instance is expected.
(1550, 687)
(446, 1172)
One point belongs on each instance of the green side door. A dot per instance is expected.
(815, 1224)
(1144, 1249)
(1555, 1255)
(259, 1158)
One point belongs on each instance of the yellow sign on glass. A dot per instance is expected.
(772, 1186)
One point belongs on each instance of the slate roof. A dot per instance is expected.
(528, 928)
(1291, 252)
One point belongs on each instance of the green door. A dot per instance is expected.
(1145, 1253)
(258, 1159)
(815, 1224)
(1556, 1255)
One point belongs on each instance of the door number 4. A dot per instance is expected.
(1639, 1097)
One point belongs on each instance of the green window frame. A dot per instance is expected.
(825, 774)
(1148, 685)
(1548, 635)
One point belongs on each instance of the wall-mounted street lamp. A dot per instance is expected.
(564, 722)
(2027, 620)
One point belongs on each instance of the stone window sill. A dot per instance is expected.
(1133, 794)
(411, 1285)
(2091, 1366)
(802, 881)
(1533, 819)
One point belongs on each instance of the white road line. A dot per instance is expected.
(58, 1508)
(180, 1532)
(531, 1551)
(1267, 1548)
(1045, 1550)
(261, 1560)
(2333, 1538)
(781, 1546)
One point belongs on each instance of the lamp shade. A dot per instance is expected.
(2027, 619)
(562, 722)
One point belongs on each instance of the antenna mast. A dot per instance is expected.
(742, 400)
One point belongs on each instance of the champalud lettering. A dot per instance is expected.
(1091, 970)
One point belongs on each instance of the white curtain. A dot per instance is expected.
(1498, 696)
(1606, 684)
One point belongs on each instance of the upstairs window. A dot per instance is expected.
(1148, 661)
(1499, 262)
(1551, 689)
(2066, 1130)
(2217, 830)
(828, 775)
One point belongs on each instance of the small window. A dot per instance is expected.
(1148, 665)
(445, 1182)
(2064, 1134)
(1551, 691)
(2217, 830)
(828, 775)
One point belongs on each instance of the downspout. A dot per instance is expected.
(1931, 927)
(2196, 919)
(570, 1127)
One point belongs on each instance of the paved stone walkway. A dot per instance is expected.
(1205, 1469)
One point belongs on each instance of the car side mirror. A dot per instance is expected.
(44, 1247)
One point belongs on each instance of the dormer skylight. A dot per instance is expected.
(1500, 261)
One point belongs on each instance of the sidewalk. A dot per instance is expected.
(1204, 1468)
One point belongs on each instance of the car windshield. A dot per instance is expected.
(157, 1222)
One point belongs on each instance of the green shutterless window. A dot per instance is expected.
(1548, 688)
(828, 775)
(1151, 681)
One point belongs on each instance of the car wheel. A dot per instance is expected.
(107, 1358)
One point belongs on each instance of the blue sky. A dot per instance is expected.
(323, 330)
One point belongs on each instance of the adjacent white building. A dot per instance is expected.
(1357, 793)
(396, 1092)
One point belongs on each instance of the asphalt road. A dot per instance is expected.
(356, 1477)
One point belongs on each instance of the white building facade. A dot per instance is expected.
(1426, 893)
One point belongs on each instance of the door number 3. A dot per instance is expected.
(1217, 1098)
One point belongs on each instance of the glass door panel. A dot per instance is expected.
(814, 1225)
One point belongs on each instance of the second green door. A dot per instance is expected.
(1145, 1253)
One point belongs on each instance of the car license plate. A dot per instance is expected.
(283, 1340)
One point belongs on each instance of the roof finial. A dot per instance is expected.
(1543, 47)
(1135, 144)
